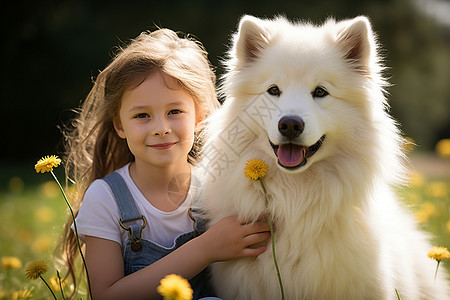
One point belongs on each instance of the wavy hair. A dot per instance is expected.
(93, 148)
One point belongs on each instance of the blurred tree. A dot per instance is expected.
(418, 54)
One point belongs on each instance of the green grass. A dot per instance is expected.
(430, 203)
(32, 218)
(33, 212)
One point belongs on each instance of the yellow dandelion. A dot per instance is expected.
(437, 189)
(47, 163)
(50, 189)
(44, 214)
(55, 284)
(42, 243)
(11, 262)
(53, 281)
(426, 211)
(22, 294)
(416, 179)
(175, 287)
(439, 253)
(443, 148)
(255, 169)
(36, 269)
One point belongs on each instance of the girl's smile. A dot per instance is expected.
(158, 120)
(162, 146)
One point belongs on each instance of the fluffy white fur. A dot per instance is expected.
(340, 231)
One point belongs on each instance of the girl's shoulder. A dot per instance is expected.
(100, 188)
(98, 215)
(98, 195)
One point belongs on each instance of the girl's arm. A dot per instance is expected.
(228, 239)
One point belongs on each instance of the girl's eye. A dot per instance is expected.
(274, 90)
(175, 112)
(141, 116)
(319, 92)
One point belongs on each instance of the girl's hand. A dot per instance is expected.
(231, 238)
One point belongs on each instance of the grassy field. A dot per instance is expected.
(32, 214)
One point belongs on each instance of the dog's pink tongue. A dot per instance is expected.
(290, 155)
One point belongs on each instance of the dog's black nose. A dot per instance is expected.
(291, 126)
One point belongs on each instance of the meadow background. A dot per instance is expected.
(51, 50)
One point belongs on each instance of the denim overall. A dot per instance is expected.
(139, 253)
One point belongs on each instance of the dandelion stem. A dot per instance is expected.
(51, 291)
(60, 285)
(76, 231)
(398, 296)
(273, 242)
(437, 267)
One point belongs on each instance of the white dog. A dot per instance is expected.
(309, 101)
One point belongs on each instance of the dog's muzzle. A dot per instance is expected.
(291, 155)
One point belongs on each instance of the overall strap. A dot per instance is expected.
(127, 207)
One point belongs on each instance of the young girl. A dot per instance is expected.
(140, 124)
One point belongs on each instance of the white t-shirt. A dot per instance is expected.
(99, 215)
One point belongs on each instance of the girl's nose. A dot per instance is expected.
(161, 127)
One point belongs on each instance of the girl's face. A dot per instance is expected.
(158, 120)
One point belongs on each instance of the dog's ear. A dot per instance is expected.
(356, 40)
(251, 38)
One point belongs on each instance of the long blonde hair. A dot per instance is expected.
(93, 148)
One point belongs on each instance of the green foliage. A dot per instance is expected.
(32, 221)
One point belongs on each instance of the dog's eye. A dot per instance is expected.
(274, 90)
(319, 92)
